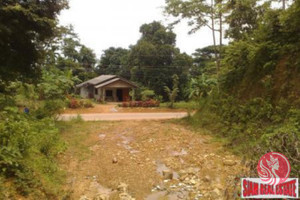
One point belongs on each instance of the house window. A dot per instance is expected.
(96, 91)
(109, 93)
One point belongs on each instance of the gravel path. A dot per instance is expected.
(124, 116)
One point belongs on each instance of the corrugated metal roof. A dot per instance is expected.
(114, 80)
(97, 80)
(107, 83)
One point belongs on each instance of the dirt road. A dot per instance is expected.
(114, 108)
(124, 116)
(149, 160)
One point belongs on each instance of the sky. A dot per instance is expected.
(101, 24)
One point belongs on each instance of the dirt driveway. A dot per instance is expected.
(114, 108)
(124, 116)
(149, 160)
(111, 112)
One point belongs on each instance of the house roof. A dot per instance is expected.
(104, 80)
(97, 80)
(114, 80)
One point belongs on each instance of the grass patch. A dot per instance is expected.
(252, 128)
(191, 105)
(76, 134)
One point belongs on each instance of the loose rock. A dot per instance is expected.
(229, 162)
(207, 179)
(167, 174)
(114, 160)
(122, 187)
(101, 197)
(84, 198)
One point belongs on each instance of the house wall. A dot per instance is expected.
(84, 92)
(90, 92)
(99, 95)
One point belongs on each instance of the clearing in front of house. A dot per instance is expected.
(146, 160)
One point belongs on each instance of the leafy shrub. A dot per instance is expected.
(149, 103)
(172, 93)
(82, 103)
(201, 87)
(147, 94)
(74, 103)
(255, 124)
(190, 105)
(55, 83)
(87, 103)
(50, 108)
(28, 148)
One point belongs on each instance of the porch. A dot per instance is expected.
(111, 94)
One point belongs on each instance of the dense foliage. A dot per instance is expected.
(151, 62)
(257, 106)
(32, 91)
(74, 55)
(115, 61)
(25, 28)
(247, 91)
(27, 155)
(30, 141)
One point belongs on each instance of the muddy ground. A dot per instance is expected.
(147, 160)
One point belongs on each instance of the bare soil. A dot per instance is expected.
(132, 159)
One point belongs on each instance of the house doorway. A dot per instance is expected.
(109, 95)
(91, 91)
(120, 94)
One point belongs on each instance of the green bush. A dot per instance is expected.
(147, 94)
(80, 103)
(50, 108)
(254, 127)
(190, 105)
(28, 148)
(145, 104)
(86, 103)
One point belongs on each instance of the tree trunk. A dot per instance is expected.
(213, 29)
(283, 4)
(214, 40)
(221, 35)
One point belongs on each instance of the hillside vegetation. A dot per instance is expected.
(258, 105)
(247, 92)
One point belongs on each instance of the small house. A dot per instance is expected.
(110, 88)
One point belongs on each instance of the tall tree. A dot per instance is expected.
(154, 59)
(25, 26)
(114, 61)
(204, 61)
(72, 55)
(200, 13)
(243, 18)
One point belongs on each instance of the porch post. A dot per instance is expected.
(133, 94)
(103, 95)
(115, 94)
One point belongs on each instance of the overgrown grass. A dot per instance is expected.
(28, 151)
(253, 128)
(191, 105)
(74, 132)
